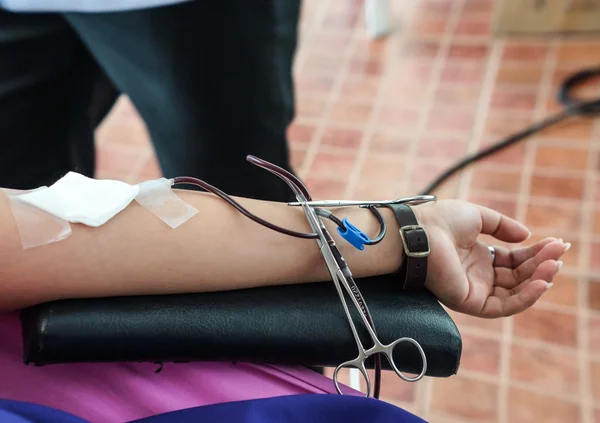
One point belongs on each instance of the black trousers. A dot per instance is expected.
(211, 79)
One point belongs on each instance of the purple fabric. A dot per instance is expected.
(108, 392)
(287, 409)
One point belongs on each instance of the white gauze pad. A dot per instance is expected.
(79, 199)
(43, 215)
(158, 197)
(35, 226)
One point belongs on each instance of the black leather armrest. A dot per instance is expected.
(295, 324)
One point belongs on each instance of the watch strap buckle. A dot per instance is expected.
(415, 241)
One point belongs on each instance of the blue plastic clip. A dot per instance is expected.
(353, 235)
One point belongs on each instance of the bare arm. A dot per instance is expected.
(219, 249)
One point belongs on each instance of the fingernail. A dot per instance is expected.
(529, 236)
(560, 264)
(550, 285)
(560, 240)
(567, 246)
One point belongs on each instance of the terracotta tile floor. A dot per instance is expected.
(396, 112)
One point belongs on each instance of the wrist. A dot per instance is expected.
(393, 256)
(414, 242)
(425, 214)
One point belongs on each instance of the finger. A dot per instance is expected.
(501, 293)
(508, 302)
(496, 307)
(515, 257)
(509, 278)
(552, 251)
(546, 271)
(502, 227)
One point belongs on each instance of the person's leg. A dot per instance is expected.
(47, 81)
(212, 81)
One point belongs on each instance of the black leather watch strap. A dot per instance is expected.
(415, 241)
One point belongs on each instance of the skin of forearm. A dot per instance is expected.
(218, 249)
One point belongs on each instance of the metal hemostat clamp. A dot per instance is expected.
(413, 201)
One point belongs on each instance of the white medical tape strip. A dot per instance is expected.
(36, 227)
(158, 197)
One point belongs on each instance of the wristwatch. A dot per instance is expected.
(415, 242)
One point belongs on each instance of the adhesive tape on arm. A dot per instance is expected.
(158, 197)
(79, 199)
(36, 227)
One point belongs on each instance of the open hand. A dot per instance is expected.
(462, 272)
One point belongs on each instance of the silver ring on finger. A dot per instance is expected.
(493, 252)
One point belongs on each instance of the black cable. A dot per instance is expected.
(573, 107)
(337, 221)
(382, 226)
